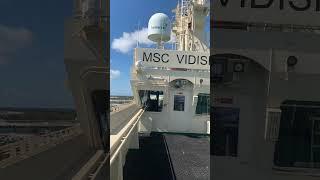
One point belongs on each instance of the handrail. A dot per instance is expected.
(123, 135)
(17, 151)
(94, 175)
(93, 163)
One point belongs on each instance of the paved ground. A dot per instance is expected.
(150, 162)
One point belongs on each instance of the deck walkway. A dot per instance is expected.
(169, 156)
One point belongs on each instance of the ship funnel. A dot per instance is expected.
(159, 28)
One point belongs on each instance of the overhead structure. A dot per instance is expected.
(189, 25)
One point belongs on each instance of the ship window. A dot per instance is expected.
(203, 104)
(299, 136)
(151, 100)
(226, 126)
(178, 103)
(189, 25)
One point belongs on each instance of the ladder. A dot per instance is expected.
(184, 7)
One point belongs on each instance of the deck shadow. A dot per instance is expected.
(151, 161)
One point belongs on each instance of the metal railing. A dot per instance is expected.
(123, 137)
(99, 162)
(93, 167)
(17, 151)
(121, 142)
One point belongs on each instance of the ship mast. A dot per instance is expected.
(189, 25)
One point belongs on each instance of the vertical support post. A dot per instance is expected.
(120, 167)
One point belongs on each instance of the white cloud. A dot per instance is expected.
(12, 39)
(129, 40)
(114, 74)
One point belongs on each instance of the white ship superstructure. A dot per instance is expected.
(173, 85)
(266, 90)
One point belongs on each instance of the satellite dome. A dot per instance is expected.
(159, 28)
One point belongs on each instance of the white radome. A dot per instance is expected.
(159, 28)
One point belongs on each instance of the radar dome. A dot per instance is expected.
(159, 28)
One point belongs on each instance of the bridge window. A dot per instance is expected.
(299, 135)
(151, 100)
(203, 104)
(179, 103)
(226, 126)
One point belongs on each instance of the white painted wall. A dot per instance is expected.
(167, 120)
(255, 155)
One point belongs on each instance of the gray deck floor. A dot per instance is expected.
(190, 156)
(170, 157)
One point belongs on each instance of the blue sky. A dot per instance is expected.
(128, 20)
(32, 71)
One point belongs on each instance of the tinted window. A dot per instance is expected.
(179, 103)
(203, 104)
(151, 100)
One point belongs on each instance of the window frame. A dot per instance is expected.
(145, 99)
(175, 106)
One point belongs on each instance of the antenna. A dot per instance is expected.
(172, 43)
(160, 44)
(138, 34)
